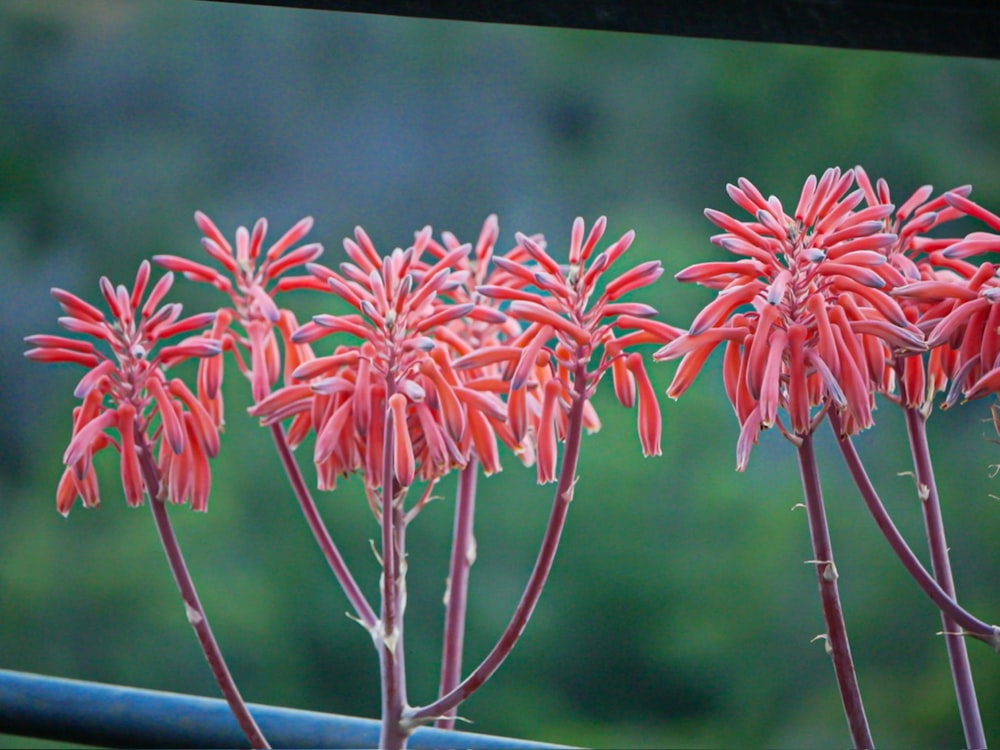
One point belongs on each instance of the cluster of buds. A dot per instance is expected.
(127, 390)
(456, 349)
(453, 348)
(840, 301)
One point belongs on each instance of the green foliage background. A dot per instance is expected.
(680, 612)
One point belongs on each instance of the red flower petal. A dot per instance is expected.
(650, 424)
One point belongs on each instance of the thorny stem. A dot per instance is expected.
(970, 624)
(837, 642)
(958, 655)
(192, 605)
(362, 608)
(539, 574)
(463, 554)
(390, 640)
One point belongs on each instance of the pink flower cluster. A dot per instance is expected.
(456, 349)
(842, 299)
(130, 393)
(450, 349)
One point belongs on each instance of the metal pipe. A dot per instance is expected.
(93, 713)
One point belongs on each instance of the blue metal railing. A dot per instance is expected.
(92, 713)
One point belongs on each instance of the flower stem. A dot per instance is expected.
(958, 655)
(362, 608)
(826, 572)
(536, 582)
(969, 623)
(463, 554)
(390, 641)
(192, 604)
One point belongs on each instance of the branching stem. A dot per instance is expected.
(539, 574)
(969, 623)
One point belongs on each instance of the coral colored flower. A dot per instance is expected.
(573, 334)
(481, 335)
(803, 312)
(129, 392)
(251, 278)
(958, 307)
(394, 363)
(916, 257)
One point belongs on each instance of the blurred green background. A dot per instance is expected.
(679, 612)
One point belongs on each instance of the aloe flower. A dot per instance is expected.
(916, 257)
(127, 391)
(467, 335)
(809, 328)
(951, 301)
(803, 311)
(566, 331)
(251, 277)
(573, 333)
(960, 314)
(395, 363)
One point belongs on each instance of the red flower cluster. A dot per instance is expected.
(129, 392)
(805, 312)
(568, 326)
(397, 376)
(955, 304)
(254, 277)
(442, 334)
(452, 350)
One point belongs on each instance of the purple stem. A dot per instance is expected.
(826, 572)
(192, 604)
(390, 638)
(463, 554)
(536, 582)
(969, 623)
(958, 655)
(333, 557)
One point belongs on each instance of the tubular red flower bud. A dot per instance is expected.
(62, 355)
(131, 473)
(322, 365)
(547, 439)
(299, 230)
(191, 269)
(539, 314)
(85, 436)
(529, 357)
(650, 424)
(95, 378)
(454, 415)
(642, 275)
(202, 424)
(172, 426)
(404, 464)
(724, 305)
(484, 440)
